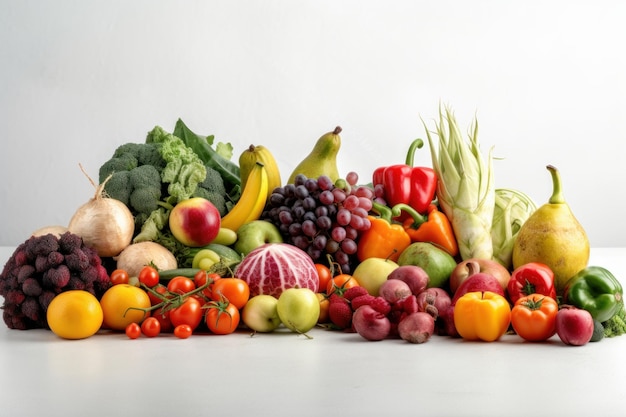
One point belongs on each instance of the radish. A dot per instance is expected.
(370, 324)
(417, 327)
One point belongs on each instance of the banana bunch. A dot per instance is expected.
(260, 153)
(250, 205)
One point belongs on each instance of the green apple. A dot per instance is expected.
(261, 314)
(253, 234)
(298, 309)
(372, 272)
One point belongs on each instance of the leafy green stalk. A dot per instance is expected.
(465, 188)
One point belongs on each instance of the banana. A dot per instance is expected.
(252, 201)
(260, 153)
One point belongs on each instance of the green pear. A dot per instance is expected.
(322, 160)
(553, 236)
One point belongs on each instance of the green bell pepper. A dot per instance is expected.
(596, 290)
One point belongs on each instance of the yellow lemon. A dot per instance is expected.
(74, 314)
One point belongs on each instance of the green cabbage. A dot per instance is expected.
(511, 210)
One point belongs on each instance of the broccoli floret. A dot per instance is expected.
(118, 186)
(124, 162)
(213, 189)
(616, 325)
(145, 186)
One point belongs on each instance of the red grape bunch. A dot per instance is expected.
(321, 217)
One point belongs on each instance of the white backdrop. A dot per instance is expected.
(546, 81)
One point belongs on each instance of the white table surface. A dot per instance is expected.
(284, 374)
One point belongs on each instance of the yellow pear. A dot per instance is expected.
(322, 160)
(553, 236)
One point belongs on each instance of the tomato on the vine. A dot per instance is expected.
(202, 277)
(222, 317)
(181, 285)
(133, 330)
(164, 319)
(149, 276)
(159, 289)
(323, 272)
(151, 327)
(189, 312)
(341, 283)
(234, 290)
(183, 331)
(119, 276)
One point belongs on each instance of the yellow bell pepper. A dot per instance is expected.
(482, 316)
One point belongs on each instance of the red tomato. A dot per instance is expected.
(149, 276)
(133, 331)
(182, 331)
(340, 283)
(164, 320)
(181, 285)
(119, 276)
(151, 327)
(534, 317)
(159, 289)
(324, 274)
(234, 290)
(189, 312)
(222, 317)
(202, 277)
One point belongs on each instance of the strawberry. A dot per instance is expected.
(339, 312)
(361, 300)
(354, 292)
(381, 305)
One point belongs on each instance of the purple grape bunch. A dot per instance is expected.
(322, 217)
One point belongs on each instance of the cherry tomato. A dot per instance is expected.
(164, 320)
(189, 312)
(119, 276)
(160, 289)
(181, 285)
(182, 331)
(324, 307)
(151, 327)
(222, 317)
(324, 274)
(201, 278)
(149, 276)
(133, 330)
(234, 290)
(340, 283)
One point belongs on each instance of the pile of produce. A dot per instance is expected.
(182, 238)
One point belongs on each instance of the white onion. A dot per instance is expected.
(105, 224)
(137, 255)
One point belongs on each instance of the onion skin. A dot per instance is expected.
(105, 224)
(137, 255)
(56, 230)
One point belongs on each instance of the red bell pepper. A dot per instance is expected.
(531, 278)
(406, 184)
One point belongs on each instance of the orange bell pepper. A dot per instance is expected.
(435, 229)
(482, 315)
(384, 239)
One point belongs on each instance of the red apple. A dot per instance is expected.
(574, 325)
(478, 282)
(466, 268)
(195, 222)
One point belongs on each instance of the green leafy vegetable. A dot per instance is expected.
(512, 209)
